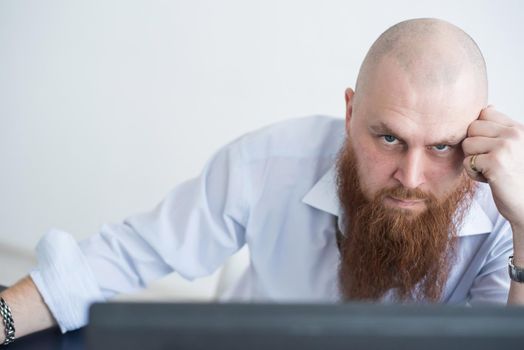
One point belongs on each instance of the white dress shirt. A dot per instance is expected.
(272, 189)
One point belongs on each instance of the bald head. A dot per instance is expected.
(430, 52)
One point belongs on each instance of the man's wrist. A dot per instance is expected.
(518, 245)
(518, 261)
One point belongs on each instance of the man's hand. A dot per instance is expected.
(498, 143)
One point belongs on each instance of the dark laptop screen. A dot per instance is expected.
(303, 326)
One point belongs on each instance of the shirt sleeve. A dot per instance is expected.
(192, 231)
(491, 285)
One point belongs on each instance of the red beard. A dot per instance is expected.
(386, 249)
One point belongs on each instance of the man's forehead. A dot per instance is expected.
(392, 92)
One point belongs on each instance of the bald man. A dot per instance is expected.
(416, 197)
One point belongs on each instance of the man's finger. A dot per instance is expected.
(486, 128)
(492, 114)
(473, 166)
(479, 145)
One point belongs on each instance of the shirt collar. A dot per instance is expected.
(323, 196)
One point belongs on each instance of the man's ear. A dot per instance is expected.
(349, 106)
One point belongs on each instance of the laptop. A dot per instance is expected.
(303, 326)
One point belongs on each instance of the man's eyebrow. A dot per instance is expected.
(383, 128)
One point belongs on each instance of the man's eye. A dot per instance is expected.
(390, 139)
(442, 148)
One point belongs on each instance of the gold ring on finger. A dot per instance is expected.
(472, 163)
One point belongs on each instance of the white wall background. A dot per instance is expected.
(106, 105)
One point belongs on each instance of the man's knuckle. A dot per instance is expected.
(504, 144)
(495, 159)
(514, 133)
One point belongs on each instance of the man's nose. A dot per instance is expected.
(410, 170)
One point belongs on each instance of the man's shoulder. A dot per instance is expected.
(309, 136)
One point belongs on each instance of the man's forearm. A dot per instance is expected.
(30, 313)
(516, 290)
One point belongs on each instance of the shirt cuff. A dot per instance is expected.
(65, 280)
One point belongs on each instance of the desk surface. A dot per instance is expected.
(50, 339)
